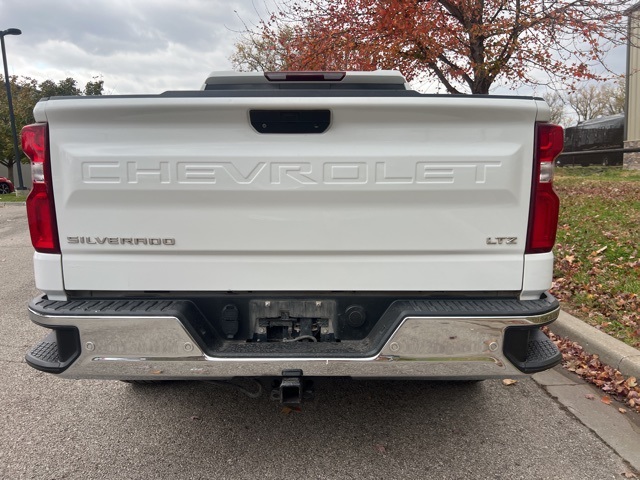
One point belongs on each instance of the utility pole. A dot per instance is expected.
(12, 118)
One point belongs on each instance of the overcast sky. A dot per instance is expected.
(135, 46)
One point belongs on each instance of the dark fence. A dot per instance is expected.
(595, 142)
(607, 150)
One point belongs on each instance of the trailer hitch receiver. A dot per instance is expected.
(292, 388)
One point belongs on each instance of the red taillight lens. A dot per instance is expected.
(40, 207)
(545, 205)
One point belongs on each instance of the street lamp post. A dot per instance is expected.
(12, 118)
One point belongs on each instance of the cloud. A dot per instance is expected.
(141, 46)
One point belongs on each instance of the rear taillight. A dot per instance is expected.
(545, 205)
(40, 207)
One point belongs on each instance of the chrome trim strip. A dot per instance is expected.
(147, 348)
(545, 317)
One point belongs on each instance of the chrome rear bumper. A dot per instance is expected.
(161, 348)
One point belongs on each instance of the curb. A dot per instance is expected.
(611, 351)
(8, 204)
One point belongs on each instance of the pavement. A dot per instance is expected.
(619, 431)
(542, 427)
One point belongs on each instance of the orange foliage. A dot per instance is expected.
(467, 44)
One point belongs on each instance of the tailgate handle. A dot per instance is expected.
(290, 121)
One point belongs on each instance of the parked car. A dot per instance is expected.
(6, 186)
(604, 133)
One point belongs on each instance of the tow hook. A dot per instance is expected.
(292, 388)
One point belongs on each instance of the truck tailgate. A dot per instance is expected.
(427, 193)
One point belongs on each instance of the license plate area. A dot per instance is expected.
(293, 320)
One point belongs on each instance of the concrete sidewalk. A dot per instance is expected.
(620, 432)
(611, 351)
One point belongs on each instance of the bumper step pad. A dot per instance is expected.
(542, 354)
(46, 355)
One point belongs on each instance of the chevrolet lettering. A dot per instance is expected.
(348, 174)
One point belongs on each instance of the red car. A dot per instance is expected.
(6, 186)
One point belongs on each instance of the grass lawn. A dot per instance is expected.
(11, 197)
(597, 269)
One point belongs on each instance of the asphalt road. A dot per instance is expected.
(52, 428)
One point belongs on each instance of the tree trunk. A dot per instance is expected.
(481, 85)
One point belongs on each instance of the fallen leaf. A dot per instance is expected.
(288, 410)
(195, 418)
(509, 381)
(591, 369)
(380, 448)
(622, 410)
(628, 474)
(590, 396)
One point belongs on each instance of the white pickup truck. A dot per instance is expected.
(293, 225)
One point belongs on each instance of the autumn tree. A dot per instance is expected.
(596, 100)
(588, 101)
(25, 93)
(262, 53)
(557, 103)
(467, 45)
(94, 87)
(69, 87)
